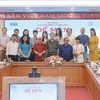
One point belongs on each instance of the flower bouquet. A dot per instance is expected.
(54, 60)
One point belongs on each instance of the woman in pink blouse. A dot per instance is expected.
(58, 36)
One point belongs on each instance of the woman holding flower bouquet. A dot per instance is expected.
(78, 50)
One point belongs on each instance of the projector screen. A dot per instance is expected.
(51, 25)
(33, 91)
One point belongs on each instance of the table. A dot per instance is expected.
(77, 74)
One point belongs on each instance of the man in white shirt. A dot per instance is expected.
(12, 49)
(70, 36)
(4, 39)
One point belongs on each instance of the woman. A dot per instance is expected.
(93, 46)
(58, 36)
(26, 32)
(24, 48)
(44, 37)
(78, 50)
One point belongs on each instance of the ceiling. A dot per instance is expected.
(50, 9)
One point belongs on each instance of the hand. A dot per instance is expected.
(25, 56)
(40, 54)
(76, 54)
(7, 58)
(4, 47)
(91, 50)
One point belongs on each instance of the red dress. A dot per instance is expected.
(39, 48)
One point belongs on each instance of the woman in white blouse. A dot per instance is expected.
(58, 36)
(78, 50)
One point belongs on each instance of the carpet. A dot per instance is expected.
(77, 93)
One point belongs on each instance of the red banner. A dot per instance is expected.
(51, 15)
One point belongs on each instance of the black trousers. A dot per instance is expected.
(13, 57)
(23, 59)
(51, 54)
(67, 58)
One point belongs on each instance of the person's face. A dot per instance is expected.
(77, 41)
(35, 34)
(16, 32)
(52, 36)
(69, 31)
(58, 32)
(39, 40)
(82, 30)
(25, 38)
(66, 41)
(92, 32)
(44, 34)
(14, 38)
(4, 31)
(25, 32)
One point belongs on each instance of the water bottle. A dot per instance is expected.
(4, 62)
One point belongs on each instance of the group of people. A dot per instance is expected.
(38, 48)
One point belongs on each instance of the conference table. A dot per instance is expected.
(77, 74)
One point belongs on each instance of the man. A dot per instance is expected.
(12, 49)
(70, 36)
(39, 50)
(34, 38)
(16, 32)
(52, 46)
(84, 40)
(33, 42)
(66, 50)
(4, 39)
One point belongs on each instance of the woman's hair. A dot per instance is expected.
(92, 29)
(43, 36)
(27, 31)
(22, 41)
(60, 32)
(77, 38)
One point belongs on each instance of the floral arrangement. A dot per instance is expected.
(54, 60)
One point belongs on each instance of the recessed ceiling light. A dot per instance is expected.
(30, 10)
(27, 8)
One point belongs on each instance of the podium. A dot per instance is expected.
(51, 81)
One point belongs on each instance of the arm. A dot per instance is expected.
(29, 52)
(60, 52)
(35, 50)
(72, 52)
(20, 51)
(2, 46)
(7, 50)
(82, 50)
(44, 50)
(86, 42)
(58, 48)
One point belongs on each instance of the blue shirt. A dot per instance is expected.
(66, 51)
(25, 48)
(84, 40)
